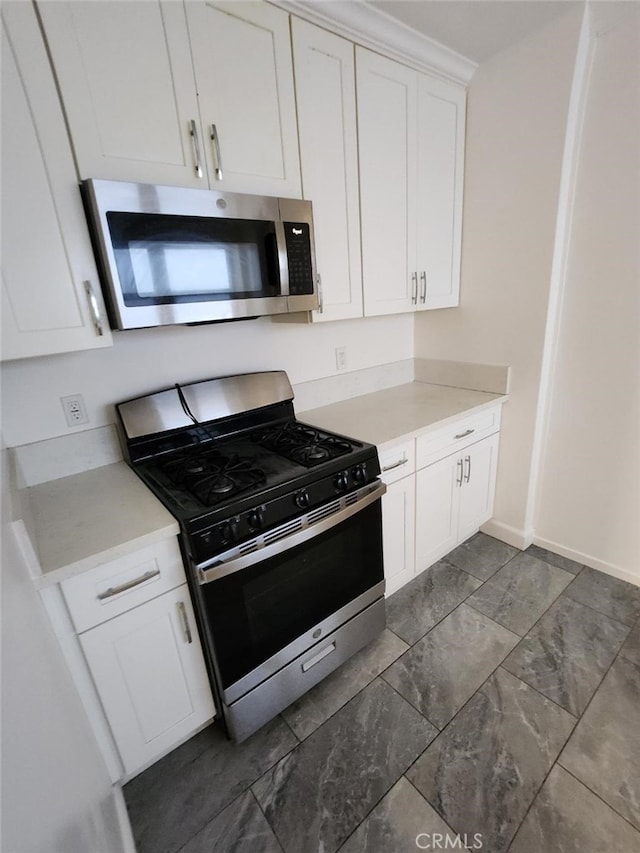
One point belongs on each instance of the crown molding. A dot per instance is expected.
(371, 28)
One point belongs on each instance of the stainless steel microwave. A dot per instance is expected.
(172, 255)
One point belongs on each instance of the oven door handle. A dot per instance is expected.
(306, 528)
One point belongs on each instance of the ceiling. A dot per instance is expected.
(477, 29)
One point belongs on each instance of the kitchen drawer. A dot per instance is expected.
(100, 594)
(456, 435)
(397, 461)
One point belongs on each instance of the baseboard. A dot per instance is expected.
(505, 533)
(587, 560)
(126, 835)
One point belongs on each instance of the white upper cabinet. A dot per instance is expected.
(411, 143)
(325, 91)
(441, 129)
(199, 94)
(125, 73)
(244, 78)
(386, 94)
(51, 300)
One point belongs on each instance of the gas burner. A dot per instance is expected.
(211, 476)
(303, 444)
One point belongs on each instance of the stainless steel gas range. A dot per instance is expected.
(281, 534)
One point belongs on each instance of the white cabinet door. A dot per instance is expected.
(441, 127)
(126, 78)
(46, 252)
(398, 533)
(386, 94)
(244, 77)
(480, 463)
(437, 489)
(149, 671)
(325, 92)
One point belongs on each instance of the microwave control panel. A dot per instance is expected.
(298, 240)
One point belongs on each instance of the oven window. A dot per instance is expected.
(169, 259)
(256, 612)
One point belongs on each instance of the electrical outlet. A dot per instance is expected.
(74, 410)
(341, 358)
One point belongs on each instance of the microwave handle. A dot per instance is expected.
(283, 263)
(217, 568)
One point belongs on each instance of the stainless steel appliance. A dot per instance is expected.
(281, 534)
(176, 255)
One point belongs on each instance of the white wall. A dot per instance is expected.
(589, 503)
(142, 361)
(516, 120)
(56, 793)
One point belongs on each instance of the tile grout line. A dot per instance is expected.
(597, 795)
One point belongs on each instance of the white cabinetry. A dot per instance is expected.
(138, 633)
(397, 465)
(325, 92)
(454, 490)
(166, 93)
(411, 145)
(51, 300)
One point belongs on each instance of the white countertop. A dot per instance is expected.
(82, 521)
(385, 417)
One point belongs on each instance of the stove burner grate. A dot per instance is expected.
(303, 444)
(211, 476)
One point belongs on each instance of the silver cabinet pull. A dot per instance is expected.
(414, 288)
(395, 465)
(93, 305)
(216, 152)
(116, 590)
(193, 130)
(423, 287)
(464, 434)
(320, 299)
(467, 476)
(320, 656)
(460, 476)
(182, 610)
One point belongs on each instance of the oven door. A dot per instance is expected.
(266, 609)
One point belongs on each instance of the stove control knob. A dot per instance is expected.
(341, 481)
(226, 533)
(255, 519)
(301, 499)
(359, 473)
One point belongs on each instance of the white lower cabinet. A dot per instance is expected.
(143, 651)
(397, 466)
(429, 511)
(454, 496)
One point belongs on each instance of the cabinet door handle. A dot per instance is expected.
(395, 465)
(320, 299)
(93, 305)
(414, 288)
(193, 130)
(423, 287)
(216, 152)
(467, 476)
(464, 434)
(116, 590)
(460, 476)
(182, 610)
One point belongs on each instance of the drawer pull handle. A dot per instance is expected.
(460, 477)
(116, 590)
(182, 610)
(464, 434)
(395, 465)
(467, 476)
(317, 658)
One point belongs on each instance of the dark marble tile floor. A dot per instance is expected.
(499, 710)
